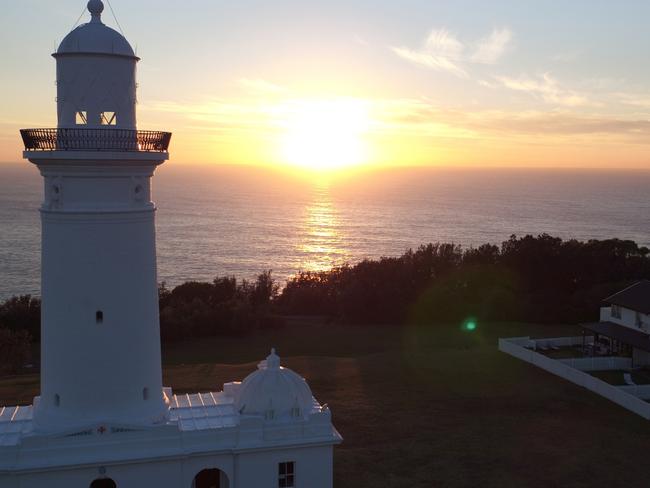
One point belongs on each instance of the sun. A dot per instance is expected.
(325, 134)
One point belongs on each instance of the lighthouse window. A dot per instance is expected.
(145, 393)
(99, 316)
(286, 476)
(108, 118)
(57, 400)
(82, 118)
(138, 193)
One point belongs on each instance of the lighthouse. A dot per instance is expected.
(100, 344)
(103, 418)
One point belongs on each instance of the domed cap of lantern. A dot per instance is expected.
(274, 392)
(95, 37)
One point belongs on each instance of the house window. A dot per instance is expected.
(103, 483)
(616, 311)
(108, 118)
(286, 475)
(82, 118)
(208, 478)
(639, 320)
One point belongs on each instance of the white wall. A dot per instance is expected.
(628, 318)
(313, 467)
(260, 470)
(99, 255)
(154, 475)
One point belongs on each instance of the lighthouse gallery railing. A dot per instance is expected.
(95, 140)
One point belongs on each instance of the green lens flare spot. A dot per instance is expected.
(470, 326)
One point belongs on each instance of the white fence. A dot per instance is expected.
(623, 396)
(598, 364)
(551, 342)
(639, 391)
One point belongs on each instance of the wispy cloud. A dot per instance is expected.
(562, 123)
(414, 116)
(567, 56)
(547, 88)
(635, 100)
(259, 85)
(490, 49)
(443, 51)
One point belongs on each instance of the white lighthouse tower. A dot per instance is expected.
(103, 418)
(100, 328)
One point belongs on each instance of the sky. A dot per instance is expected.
(342, 83)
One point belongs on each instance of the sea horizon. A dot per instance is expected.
(242, 220)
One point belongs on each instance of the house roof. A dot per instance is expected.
(635, 297)
(199, 411)
(627, 335)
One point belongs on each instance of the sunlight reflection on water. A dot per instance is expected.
(321, 242)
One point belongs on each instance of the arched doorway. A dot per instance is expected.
(103, 483)
(210, 478)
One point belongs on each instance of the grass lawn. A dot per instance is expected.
(564, 353)
(430, 407)
(612, 376)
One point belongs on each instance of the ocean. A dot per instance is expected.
(220, 220)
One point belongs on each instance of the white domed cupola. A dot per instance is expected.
(95, 37)
(96, 76)
(274, 392)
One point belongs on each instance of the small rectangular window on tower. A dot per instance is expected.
(286, 475)
(82, 118)
(109, 118)
(99, 317)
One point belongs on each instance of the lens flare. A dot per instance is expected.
(470, 325)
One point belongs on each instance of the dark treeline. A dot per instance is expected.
(532, 279)
(225, 306)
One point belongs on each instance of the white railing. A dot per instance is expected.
(622, 396)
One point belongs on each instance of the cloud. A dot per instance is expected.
(441, 51)
(560, 123)
(491, 48)
(405, 117)
(259, 85)
(360, 40)
(431, 61)
(421, 116)
(635, 100)
(547, 88)
(567, 56)
(442, 43)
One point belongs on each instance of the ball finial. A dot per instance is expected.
(96, 7)
(273, 360)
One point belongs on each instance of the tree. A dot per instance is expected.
(15, 350)
(22, 313)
